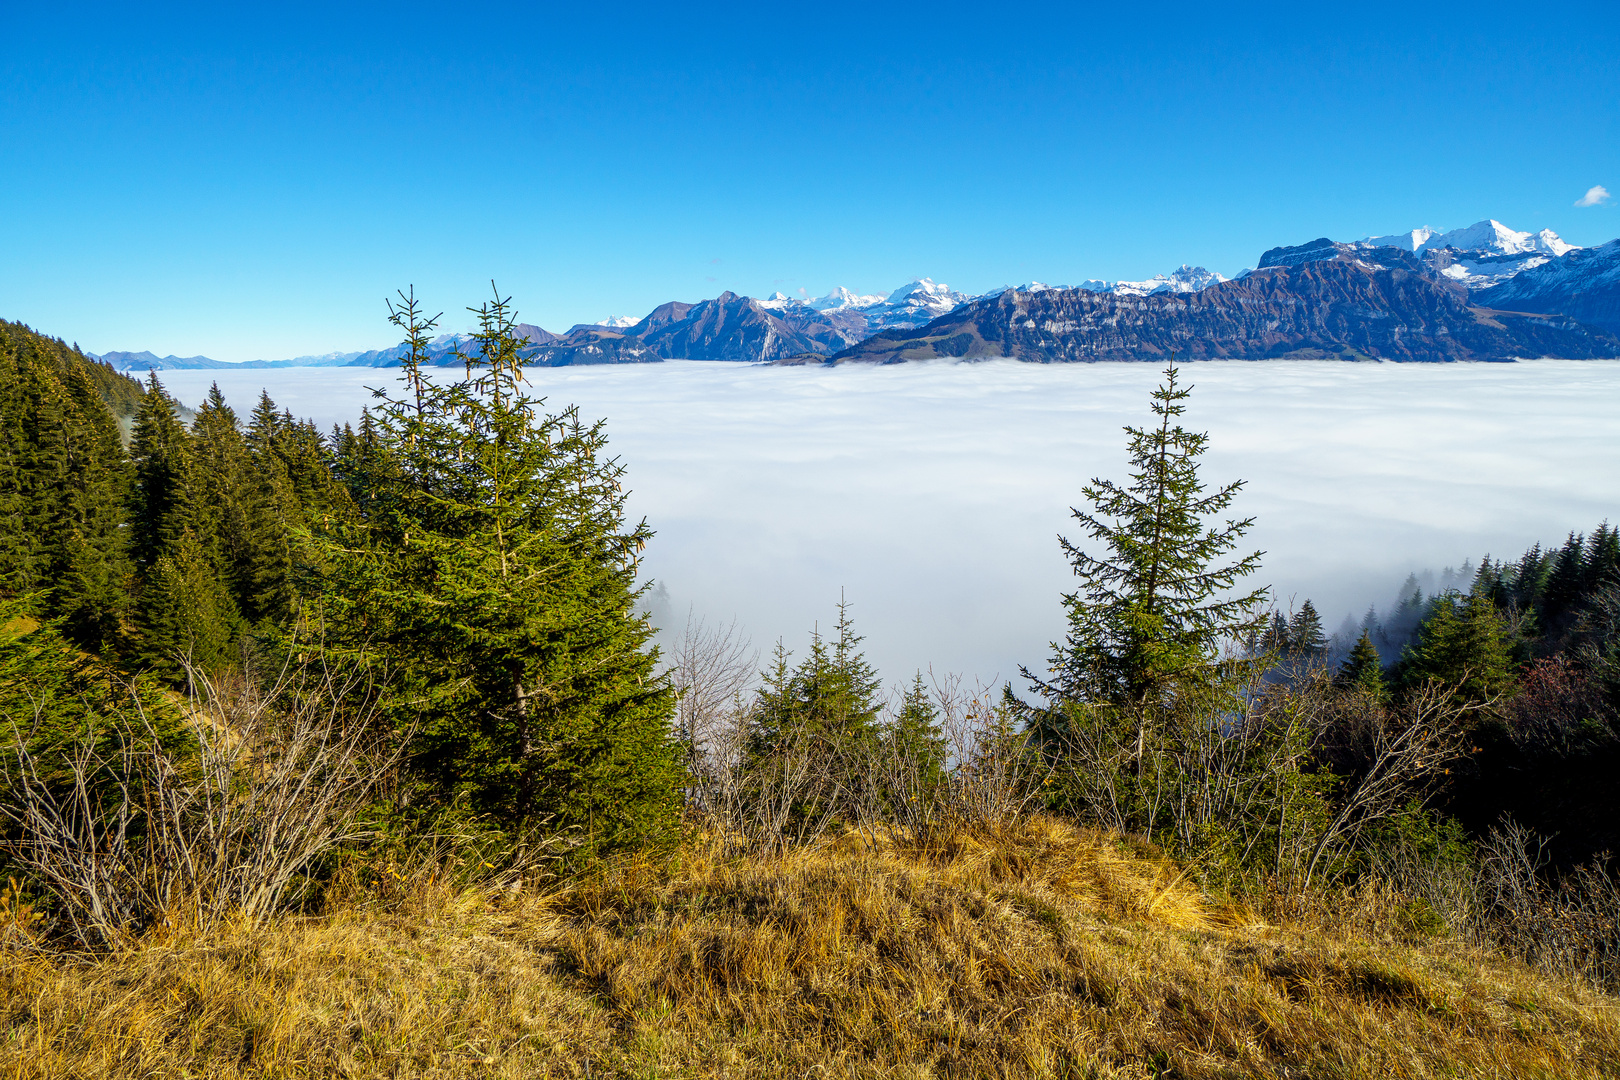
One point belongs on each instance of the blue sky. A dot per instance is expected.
(249, 184)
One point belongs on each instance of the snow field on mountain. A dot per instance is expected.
(932, 494)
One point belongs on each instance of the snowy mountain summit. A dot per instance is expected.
(1480, 255)
(841, 298)
(1183, 279)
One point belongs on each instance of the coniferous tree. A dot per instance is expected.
(160, 500)
(90, 566)
(230, 519)
(1602, 562)
(1275, 640)
(1144, 673)
(488, 565)
(184, 610)
(1155, 605)
(829, 698)
(185, 614)
(1363, 669)
(63, 474)
(914, 738)
(1305, 635)
(1463, 643)
(1564, 583)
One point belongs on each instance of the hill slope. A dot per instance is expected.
(121, 393)
(1050, 953)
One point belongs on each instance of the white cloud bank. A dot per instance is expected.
(933, 493)
(1596, 195)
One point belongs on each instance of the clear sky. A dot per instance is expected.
(247, 184)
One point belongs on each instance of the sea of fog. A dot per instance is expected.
(931, 495)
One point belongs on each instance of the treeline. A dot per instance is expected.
(451, 580)
(146, 538)
(1536, 641)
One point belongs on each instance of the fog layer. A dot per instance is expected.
(932, 494)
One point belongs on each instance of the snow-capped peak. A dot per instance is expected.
(1183, 279)
(617, 322)
(1488, 235)
(777, 301)
(841, 297)
(1480, 255)
(924, 291)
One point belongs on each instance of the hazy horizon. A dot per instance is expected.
(931, 495)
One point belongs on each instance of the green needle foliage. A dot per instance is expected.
(1156, 606)
(1363, 670)
(488, 566)
(180, 504)
(1141, 694)
(63, 480)
(914, 737)
(1463, 643)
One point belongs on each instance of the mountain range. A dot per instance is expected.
(1319, 300)
(1484, 292)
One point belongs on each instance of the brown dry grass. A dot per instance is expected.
(1051, 952)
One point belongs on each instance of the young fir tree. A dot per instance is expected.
(828, 702)
(1363, 669)
(1275, 640)
(488, 566)
(1305, 635)
(821, 716)
(1144, 670)
(1465, 644)
(914, 739)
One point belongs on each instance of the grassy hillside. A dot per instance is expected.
(1052, 952)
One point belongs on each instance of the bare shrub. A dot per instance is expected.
(1568, 924)
(1388, 756)
(996, 778)
(1265, 780)
(131, 830)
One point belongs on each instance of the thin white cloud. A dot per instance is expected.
(933, 493)
(1597, 195)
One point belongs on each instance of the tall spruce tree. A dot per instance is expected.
(63, 479)
(487, 563)
(1155, 603)
(231, 520)
(184, 608)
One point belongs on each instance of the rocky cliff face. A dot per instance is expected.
(1316, 300)
(1583, 285)
(732, 327)
(592, 345)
